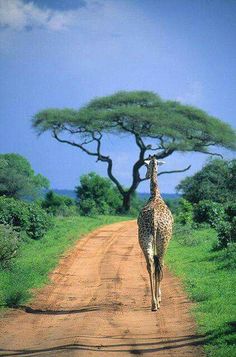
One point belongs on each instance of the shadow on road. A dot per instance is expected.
(137, 348)
(31, 310)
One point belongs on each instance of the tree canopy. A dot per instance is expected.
(215, 182)
(157, 125)
(17, 178)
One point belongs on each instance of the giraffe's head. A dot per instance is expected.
(152, 163)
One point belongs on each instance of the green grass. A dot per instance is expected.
(209, 278)
(37, 258)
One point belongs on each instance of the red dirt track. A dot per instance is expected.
(98, 304)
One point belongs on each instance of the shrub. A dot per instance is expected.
(184, 212)
(136, 205)
(210, 212)
(14, 212)
(97, 195)
(228, 256)
(59, 205)
(9, 243)
(215, 181)
(184, 234)
(39, 220)
(26, 217)
(231, 210)
(88, 207)
(226, 233)
(173, 204)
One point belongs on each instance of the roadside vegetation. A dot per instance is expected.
(36, 258)
(209, 279)
(203, 252)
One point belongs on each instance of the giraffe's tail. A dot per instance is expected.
(158, 268)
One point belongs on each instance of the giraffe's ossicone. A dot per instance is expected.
(155, 223)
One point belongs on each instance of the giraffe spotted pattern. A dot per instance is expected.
(155, 223)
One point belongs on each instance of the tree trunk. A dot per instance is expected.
(126, 202)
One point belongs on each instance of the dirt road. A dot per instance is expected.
(98, 304)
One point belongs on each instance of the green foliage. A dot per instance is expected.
(40, 222)
(59, 205)
(215, 181)
(17, 178)
(209, 279)
(145, 114)
(15, 213)
(184, 212)
(37, 258)
(24, 216)
(185, 235)
(97, 195)
(230, 209)
(173, 204)
(9, 244)
(136, 205)
(210, 212)
(221, 218)
(227, 256)
(226, 233)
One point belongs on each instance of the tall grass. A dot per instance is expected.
(37, 258)
(209, 278)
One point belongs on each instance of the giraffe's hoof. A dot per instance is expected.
(155, 306)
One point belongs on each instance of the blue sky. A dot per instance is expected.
(64, 53)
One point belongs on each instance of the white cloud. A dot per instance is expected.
(18, 15)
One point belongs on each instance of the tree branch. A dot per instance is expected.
(173, 171)
(72, 143)
(98, 154)
(211, 153)
(167, 172)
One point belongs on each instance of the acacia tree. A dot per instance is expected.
(158, 126)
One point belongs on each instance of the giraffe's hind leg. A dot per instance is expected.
(157, 288)
(151, 272)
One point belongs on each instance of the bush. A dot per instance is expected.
(184, 212)
(228, 256)
(59, 205)
(26, 217)
(97, 195)
(14, 212)
(88, 207)
(9, 243)
(136, 205)
(39, 220)
(210, 212)
(226, 233)
(173, 204)
(231, 210)
(184, 234)
(216, 180)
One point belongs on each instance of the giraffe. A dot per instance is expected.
(155, 223)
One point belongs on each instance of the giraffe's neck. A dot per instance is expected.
(154, 189)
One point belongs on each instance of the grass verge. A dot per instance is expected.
(37, 258)
(209, 279)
